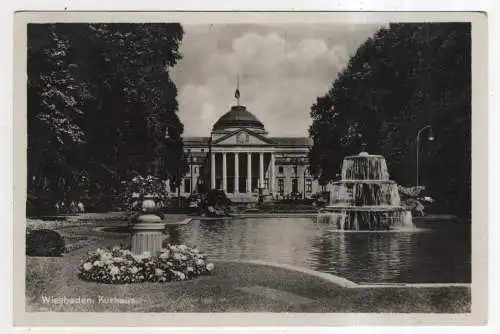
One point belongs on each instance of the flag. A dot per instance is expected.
(237, 93)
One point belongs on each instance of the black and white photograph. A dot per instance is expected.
(175, 166)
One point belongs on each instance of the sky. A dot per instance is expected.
(282, 70)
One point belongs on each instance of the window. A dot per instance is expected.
(202, 150)
(309, 186)
(281, 186)
(295, 188)
(280, 169)
(187, 185)
(195, 170)
(295, 170)
(189, 150)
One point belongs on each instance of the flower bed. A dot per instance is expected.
(118, 265)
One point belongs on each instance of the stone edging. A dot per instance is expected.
(328, 277)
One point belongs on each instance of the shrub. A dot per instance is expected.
(118, 265)
(413, 199)
(44, 243)
(140, 187)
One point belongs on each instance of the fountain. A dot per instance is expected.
(365, 198)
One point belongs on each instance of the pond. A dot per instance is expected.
(435, 252)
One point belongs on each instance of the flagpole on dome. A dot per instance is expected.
(237, 92)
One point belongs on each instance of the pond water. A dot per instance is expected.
(432, 253)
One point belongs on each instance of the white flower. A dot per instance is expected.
(134, 270)
(177, 256)
(146, 254)
(165, 255)
(118, 259)
(210, 266)
(200, 262)
(115, 248)
(105, 256)
(158, 272)
(108, 262)
(180, 275)
(184, 257)
(114, 270)
(98, 263)
(183, 248)
(87, 266)
(138, 258)
(190, 269)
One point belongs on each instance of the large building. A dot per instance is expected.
(242, 159)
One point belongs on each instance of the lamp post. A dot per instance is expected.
(191, 186)
(430, 138)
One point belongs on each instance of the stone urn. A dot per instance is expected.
(147, 231)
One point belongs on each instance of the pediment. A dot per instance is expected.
(243, 137)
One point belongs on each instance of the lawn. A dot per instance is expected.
(233, 287)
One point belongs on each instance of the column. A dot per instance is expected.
(224, 172)
(272, 181)
(212, 171)
(236, 173)
(261, 170)
(249, 172)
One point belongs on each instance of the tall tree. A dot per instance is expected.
(406, 77)
(113, 104)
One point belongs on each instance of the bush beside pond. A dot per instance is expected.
(44, 243)
(119, 265)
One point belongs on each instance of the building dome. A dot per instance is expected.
(238, 117)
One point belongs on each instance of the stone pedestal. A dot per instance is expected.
(147, 234)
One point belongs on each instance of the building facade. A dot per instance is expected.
(240, 158)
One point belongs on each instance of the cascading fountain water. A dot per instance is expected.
(365, 198)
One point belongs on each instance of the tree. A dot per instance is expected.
(405, 77)
(112, 104)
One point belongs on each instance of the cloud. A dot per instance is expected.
(282, 71)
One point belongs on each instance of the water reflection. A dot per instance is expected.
(374, 257)
(434, 255)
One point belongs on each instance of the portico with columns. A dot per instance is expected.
(241, 170)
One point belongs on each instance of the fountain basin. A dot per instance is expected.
(366, 218)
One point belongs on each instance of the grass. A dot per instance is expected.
(221, 292)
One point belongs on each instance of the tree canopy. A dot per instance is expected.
(405, 77)
(100, 104)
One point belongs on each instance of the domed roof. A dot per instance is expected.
(238, 117)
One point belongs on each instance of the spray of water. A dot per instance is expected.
(365, 198)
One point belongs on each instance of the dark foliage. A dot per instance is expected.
(100, 104)
(406, 77)
(44, 243)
